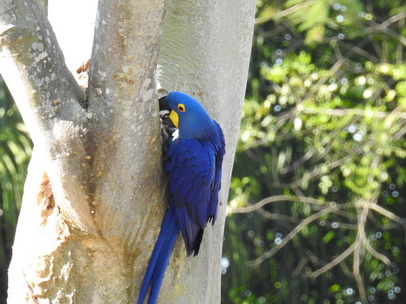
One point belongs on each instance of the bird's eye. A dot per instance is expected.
(181, 107)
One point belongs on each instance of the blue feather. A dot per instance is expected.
(160, 257)
(194, 162)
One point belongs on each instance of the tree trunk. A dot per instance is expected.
(95, 192)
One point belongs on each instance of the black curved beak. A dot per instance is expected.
(164, 111)
(163, 105)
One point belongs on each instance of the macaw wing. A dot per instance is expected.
(216, 184)
(192, 173)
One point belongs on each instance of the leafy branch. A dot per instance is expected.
(356, 248)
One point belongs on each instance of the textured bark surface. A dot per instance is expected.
(205, 53)
(95, 192)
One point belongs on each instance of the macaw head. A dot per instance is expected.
(188, 115)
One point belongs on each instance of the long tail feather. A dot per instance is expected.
(160, 257)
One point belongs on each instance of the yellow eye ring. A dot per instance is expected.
(181, 107)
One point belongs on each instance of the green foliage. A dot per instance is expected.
(323, 130)
(15, 150)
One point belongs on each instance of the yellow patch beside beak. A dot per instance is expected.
(175, 118)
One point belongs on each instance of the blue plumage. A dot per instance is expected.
(194, 161)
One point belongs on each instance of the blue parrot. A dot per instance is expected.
(194, 161)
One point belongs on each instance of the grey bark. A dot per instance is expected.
(95, 192)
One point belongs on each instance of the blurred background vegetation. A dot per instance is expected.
(15, 150)
(317, 209)
(317, 203)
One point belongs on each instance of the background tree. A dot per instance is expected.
(94, 195)
(316, 194)
(15, 147)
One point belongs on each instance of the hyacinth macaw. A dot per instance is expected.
(193, 161)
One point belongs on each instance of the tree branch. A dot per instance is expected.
(294, 232)
(375, 253)
(387, 213)
(334, 262)
(124, 58)
(383, 27)
(359, 251)
(200, 57)
(32, 59)
(286, 12)
(279, 198)
(49, 100)
(345, 112)
(123, 120)
(319, 171)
